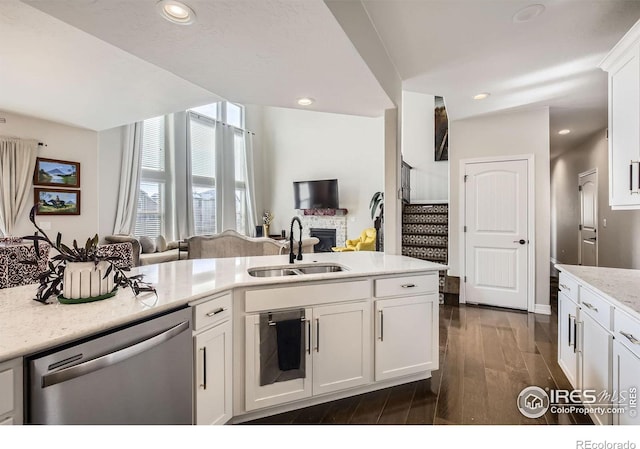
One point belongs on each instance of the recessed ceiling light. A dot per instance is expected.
(176, 12)
(481, 96)
(562, 132)
(305, 101)
(528, 14)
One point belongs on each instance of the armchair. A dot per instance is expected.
(366, 242)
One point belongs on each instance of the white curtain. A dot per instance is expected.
(250, 217)
(17, 162)
(225, 179)
(129, 180)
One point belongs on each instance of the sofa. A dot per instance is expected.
(146, 254)
(366, 242)
(230, 243)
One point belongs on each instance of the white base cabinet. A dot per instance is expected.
(338, 355)
(405, 341)
(11, 392)
(213, 360)
(595, 351)
(213, 378)
(567, 344)
(626, 380)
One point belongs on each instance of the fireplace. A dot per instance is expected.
(327, 239)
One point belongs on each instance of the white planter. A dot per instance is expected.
(85, 280)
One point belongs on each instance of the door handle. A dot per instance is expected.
(309, 338)
(381, 325)
(521, 241)
(317, 334)
(204, 368)
(112, 358)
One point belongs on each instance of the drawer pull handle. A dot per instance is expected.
(590, 306)
(215, 312)
(203, 385)
(564, 287)
(408, 285)
(631, 338)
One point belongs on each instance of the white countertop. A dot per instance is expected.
(620, 286)
(26, 326)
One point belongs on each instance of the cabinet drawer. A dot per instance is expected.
(6, 391)
(627, 331)
(569, 286)
(212, 312)
(406, 285)
(597, 307)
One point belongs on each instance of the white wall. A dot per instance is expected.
(305, 145)
(66, 143)
(110, 147)
(429, 178)
(619, 241)
(515, 133)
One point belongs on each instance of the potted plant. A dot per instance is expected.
(106, 275)
(377, 202)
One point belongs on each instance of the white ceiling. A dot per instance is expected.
(458, 48)
(247, 51)
(103, 63)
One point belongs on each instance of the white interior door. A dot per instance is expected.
(587, 231)
(497, 235)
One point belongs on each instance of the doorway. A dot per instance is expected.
(498, 232)
(588, 226)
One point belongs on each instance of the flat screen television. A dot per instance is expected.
(322, 194)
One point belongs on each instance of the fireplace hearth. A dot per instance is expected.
(327, 239)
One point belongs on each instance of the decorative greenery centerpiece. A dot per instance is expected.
(51, 280)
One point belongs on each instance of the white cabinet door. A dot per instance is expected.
(624, 132)
(596, 349)
(258, 396)
(341, 347)
(213, 379)
(406, 336)
(626, 373)
(567, 353)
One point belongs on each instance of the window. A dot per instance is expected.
(218, 174)
(151, 199)
(203, 172)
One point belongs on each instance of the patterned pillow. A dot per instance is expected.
(148, 245)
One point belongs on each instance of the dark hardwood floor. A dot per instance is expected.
(487, 356)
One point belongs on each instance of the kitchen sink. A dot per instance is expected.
(271, 272)
(295, 270)
(325, 268)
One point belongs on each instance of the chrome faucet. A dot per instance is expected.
(292, 256)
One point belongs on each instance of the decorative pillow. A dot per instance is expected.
(148, 245)
(172, 245)
(161, 244)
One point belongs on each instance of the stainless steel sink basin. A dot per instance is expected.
(295, 270)
(271, 272)
(326, 268)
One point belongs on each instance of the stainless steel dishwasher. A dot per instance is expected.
(141, 374)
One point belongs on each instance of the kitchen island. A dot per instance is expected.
(599, 337)
(368, 280)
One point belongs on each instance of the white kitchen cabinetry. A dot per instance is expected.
(567, 330)
(406, 336)
(626, 370)
(595, 350)
(11, 392)
(337, 351)
(623, 67)
(213, 361)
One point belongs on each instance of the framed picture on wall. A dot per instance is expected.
(52, 172)
(57, 201)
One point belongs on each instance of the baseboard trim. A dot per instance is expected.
(542, 309)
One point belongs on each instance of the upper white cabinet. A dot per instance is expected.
(623, 67)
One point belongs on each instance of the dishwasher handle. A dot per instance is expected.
(112, 358)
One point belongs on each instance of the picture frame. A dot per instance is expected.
(57, 201)
(54, 172)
